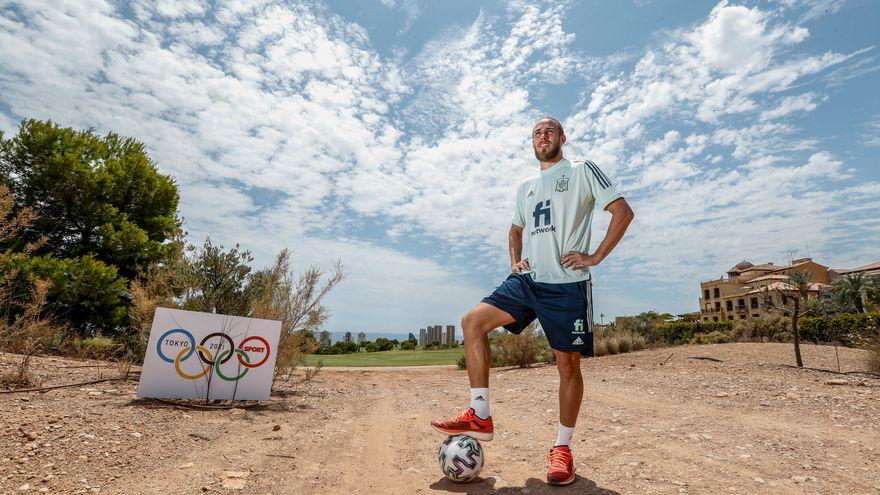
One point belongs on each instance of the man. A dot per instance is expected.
(552, 282)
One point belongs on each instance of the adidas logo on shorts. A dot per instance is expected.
(578, 341)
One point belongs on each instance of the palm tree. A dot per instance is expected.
(852, 290)
(793, 295)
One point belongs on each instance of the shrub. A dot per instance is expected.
(680, 332)
(407, 345)
(97, 347)
(716, 337)
(845, 329)
(638, 343)
(600, 347)
(624, 343)
(520, 350)
(613, 344)
(766, 328)
(462, 362)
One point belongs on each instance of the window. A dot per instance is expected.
(784, 300)
(754, 315)
(717, 292)
(706, 318)
(714, 318)
(754, 303)
(740, 304)
(706, 294)
(730, 317)
(742, 317)
(717, 305)
(729, 305)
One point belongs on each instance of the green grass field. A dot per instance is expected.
(389, 358)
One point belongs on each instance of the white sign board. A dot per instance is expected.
(209, 356)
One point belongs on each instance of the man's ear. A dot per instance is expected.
(562, 139)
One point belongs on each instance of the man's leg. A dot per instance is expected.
(476, 325)
(571, 386)
(571, 390)
(476, 422)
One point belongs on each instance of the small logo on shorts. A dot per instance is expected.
(562, 184)
(578, 327)
(530, 194)
(578, 341)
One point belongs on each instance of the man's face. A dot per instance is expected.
(547, 140)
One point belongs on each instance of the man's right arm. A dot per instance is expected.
(514, 241)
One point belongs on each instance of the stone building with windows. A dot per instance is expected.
(739, 296)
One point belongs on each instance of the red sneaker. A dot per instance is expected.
(561, 468)
(467, 424)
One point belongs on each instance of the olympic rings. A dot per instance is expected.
(247, 358)
(192, 345)
(180, 371)
(240, 354)
(228, 339)
(213, 363)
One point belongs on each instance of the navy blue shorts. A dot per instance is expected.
(565, 311)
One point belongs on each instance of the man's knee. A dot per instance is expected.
(568, 364)
(473, 324)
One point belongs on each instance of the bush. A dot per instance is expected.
(342, 348)
(680, 332)
(462, 362)
(716, 337)
(600, 347)
(613, 345)
(407, 345)
(766, 328)
(98, 347)
(852, 330)
(86, 292)
(521, 350)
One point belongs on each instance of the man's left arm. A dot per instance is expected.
(621, 216)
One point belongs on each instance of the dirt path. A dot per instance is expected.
(745, 425)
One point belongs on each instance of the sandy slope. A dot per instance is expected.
(746, 425)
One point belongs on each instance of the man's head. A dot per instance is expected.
(547, 139)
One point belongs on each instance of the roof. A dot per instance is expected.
(767, 277)
(866, 268)
(741, 266)
(814, 287)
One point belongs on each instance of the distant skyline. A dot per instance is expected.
(391, 134)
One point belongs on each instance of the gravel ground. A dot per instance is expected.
(747, 424)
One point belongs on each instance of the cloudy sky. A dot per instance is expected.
(391, 134)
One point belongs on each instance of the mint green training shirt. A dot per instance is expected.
(555, 211)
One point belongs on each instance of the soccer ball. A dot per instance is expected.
(461, 458)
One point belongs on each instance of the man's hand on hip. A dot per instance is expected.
(520, 266)
(574, 260)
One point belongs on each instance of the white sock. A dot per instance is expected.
(480, 402)
(565, 434)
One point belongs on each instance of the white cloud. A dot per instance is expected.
(790, 104)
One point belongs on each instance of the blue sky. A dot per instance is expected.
(392, 134)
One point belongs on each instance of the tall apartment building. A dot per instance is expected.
(347, 337)
(410, 336)
(423, 337)
(324, 338)
(739, 296)
(436, 337)
(362, 337)
(450, 335)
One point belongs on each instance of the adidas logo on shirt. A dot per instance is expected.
(578, 341)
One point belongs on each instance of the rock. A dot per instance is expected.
(25, 487)
(186, 466)
(233, 483)
(765, 403)
(276, 427)
(31, 436)
(136, 435)
(836, 381)
(759, 480)
(236, 474)
(799, 479)
(722, 394)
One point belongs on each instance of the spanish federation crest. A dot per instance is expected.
(562, 184)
